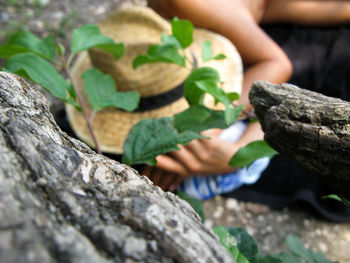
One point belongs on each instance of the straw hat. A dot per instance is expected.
(139, 27)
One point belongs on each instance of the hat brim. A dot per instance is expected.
(111, 125)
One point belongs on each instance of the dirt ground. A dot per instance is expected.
(269, 227)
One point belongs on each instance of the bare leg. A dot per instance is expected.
(308, 12)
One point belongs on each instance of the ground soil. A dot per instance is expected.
(269, 227)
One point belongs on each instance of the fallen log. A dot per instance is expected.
(308, 127)
(62, 202)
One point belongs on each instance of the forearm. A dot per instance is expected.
(276, 70)
(252, 133)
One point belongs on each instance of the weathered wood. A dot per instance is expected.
(61, 202)
(308, 127)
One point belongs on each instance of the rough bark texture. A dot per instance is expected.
(308, 127)
(61, 202)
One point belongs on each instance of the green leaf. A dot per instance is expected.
(288, 258)
(24, 41)
(229, 242)
(210, 86)
(204, 80)
(271, 259)
(72, 93)
(318, 257)
(151, 137)
(279, 258)
(233, 96)
(220, 56)
(198, 118)
(170, 40)
(345, 201)
(89, 36)
(226, 240)
(338, 198)
(245, 243)
(60, 49)
(332, 196)
(159, 53)
(102, 93)
(232, 113)
(248, 154)
(192, 93)
(207, 52)
(182, 31)
(7, 51)
(196, 204)
(116, 49)
(41, 72)
(297, 248)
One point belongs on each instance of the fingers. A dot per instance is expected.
(176, 183)
(165, 180)
(211, 133)
(171, 165)
(187, 156)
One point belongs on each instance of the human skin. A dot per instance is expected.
(238, 20)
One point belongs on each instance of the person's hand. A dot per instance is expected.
(168, 181)
(200, 157)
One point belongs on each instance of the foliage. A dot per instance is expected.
(207, 53)
(338, 198)
(230, 243)
(40, 71)
(205, 119)
(254, 150)
(89, 36)
(152, 137)
(201, 81)
(247, 246)
(244, 248)
(35, 59)
(106, 95)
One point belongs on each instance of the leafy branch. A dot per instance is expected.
(34, 59)
(244, 249)
(149, 138)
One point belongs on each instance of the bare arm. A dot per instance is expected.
(263, 57)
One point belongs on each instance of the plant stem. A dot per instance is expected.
(249, 114)
(70, 58)
(81, 102)
(92, 116)
(189, 62)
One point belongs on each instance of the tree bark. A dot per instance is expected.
(62, 202)
(308, 127)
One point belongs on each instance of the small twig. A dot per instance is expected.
(190, 62)
(244, 113)
(81, 102)
(92, 116)
(69, 60)
(250, 114)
